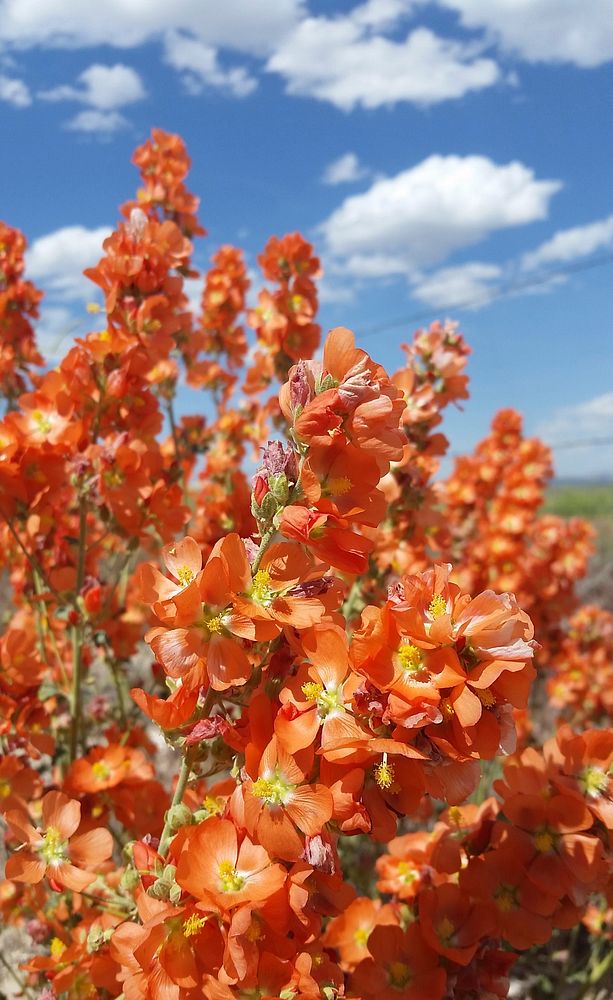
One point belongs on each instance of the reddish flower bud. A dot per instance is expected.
(260, 488)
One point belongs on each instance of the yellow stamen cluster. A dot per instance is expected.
(262, 788)
(311, 690)
(399, 974)
(454, 815)
(406, 872)
(53, 848)
(445, 931)
(361, 936)
(214, 624)
(486, 697)
(5, 789)
(411, 659)
(447, 709)
(384, 775)
(593, 781)
(113, 477)
(193, 925)
(213, 806)
(184, 576)
(42, 422)
(57, 948)
(100, 771)
(506, 898)
(437, 606)
(260, 588)
(544, 840)
(339, 486)
(274, 790)
(229, 878)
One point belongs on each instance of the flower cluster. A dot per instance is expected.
(223, 301)
(337, 650)
(284, 320)
(19, 301)
(580, 680)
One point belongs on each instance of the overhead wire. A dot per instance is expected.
(501, 291)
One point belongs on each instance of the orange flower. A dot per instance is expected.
(279, 806)
(402, 964)
(208, 631)
(54, 851)
(107, 767)
(349, 933)
(221, 871)
(452, 923)
(19, 784)
(319, 697)
(329, 537)
(581, 764)
(520, 910)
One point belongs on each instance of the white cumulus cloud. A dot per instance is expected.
(56, 261)
(451, 287)
(100, 123)
(576, 31)
(419, 217)
(243, 25)
(571, 244)
(200, 65)
(344, 170)
(102, 87)
(341, 62)
(572, 432)
(14, 91)
(593, 417)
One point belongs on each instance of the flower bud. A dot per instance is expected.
(260, 487)
(180, 815)
(299, 388)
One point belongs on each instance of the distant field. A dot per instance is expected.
(581, 500)
(594, 502)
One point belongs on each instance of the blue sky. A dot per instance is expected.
(438, 153)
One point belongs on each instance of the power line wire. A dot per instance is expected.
(578, 443)
(496, 293)
(583, 443)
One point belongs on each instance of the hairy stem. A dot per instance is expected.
(77, 638)
(266, 540)
(184, 776)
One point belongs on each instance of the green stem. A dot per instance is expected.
(353, 600)
(117, 681)
(77, 637)
(266, 539)
(44, 630)
(38, 613)
(184, 776)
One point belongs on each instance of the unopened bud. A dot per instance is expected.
(299, 388)
(97, 938)
(260, 487)
(162, 887)
(180, 815)
(279, 487)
